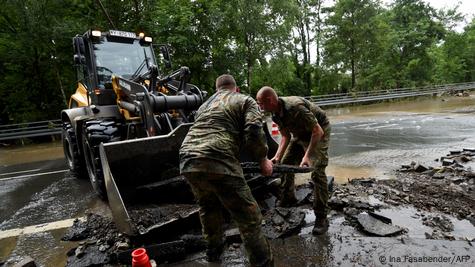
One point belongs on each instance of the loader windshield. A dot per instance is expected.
(121, 58)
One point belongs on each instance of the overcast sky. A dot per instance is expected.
(466, 7)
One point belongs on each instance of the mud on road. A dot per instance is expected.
(425, 207)
(439, 197)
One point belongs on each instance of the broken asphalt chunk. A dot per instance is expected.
(420, 168)
(377, 227)
(447, 162)
(282, 222)
(26, 262)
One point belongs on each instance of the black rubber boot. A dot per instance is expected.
(320, 226)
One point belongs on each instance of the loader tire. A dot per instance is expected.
(97, 132)
(71, 151)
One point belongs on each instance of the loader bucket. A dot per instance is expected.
(136, 170)
(144, 173)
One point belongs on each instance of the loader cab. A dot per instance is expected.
(99, 55)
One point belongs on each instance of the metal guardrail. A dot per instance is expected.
(30, 129)
(53, 127)
(369, 96)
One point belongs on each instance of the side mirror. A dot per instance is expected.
(78, 43)
(79, 59)
(166, 56)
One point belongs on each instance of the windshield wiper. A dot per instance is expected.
(143, 64)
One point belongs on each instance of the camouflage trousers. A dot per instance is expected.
(293, 156)
(213, 192)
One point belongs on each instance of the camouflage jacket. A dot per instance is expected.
(299, 116)
(224, 124)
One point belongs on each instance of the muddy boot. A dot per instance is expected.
(320, 226)
(213, 254)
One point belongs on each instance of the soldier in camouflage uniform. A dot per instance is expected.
(225, 123)
(305, 133)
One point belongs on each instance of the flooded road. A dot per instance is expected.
(375, 139)
(367, 141)
(39, 199)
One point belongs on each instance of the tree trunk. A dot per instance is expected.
(308, 74)
(303, 44)
(248, 43)
(317, 37)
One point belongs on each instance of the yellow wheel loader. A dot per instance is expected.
(126, 122)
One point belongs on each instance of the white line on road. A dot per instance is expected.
(3, 174)
(31, 175)
(39, 228)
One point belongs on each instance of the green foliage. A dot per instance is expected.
(299, 47)
(415, 27)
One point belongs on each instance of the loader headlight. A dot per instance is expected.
(96, 33)
(148, 39)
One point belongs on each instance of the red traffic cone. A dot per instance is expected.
(140, 258)
(275, 129)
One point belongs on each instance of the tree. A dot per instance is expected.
(415, 27)
(31, 41)
(351, 37)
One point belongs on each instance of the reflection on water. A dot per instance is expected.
(417, 105)
(369, 139)
(410, 218)
(45, 248)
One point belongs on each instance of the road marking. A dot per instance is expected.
(30, 175)
(39, 228)
(2, 174)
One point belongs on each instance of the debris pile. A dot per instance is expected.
(282, 222)
(449, 188)
(100, 238)
(453, 92)
(441, 225)
(445, 189)
(102, 243)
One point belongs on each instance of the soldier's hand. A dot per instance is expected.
(275, 160)
(266, 167)
(306, 162)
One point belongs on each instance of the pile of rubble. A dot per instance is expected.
(453, 92)
(102, 244)
(449, 188)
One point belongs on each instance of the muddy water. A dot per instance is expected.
(372, 139)
(30, 153)
(46, 248)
